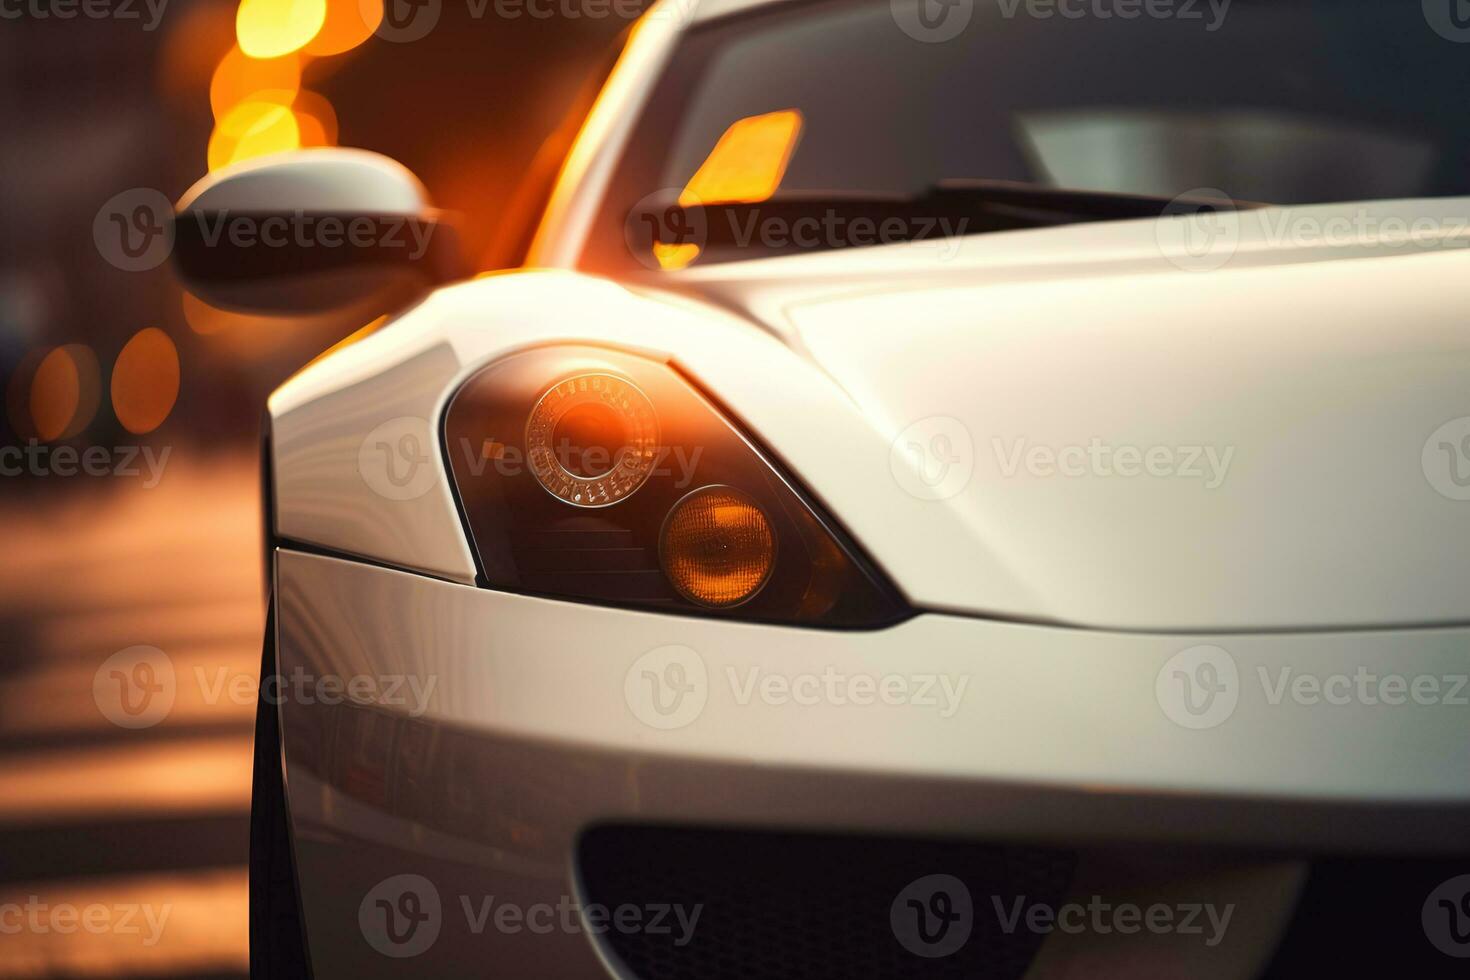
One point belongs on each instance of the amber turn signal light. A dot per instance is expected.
(717, 547)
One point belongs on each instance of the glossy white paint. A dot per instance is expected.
(1038, 707)
(1321, 366)
(1313, 375)
(324, 180)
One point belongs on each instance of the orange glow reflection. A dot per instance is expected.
(272, 28)
(240, 77)
(675, 256)
(55, 394)
(65, 390)
(748, 161)
(316, 119)
(253, 129)
(348, 24)
(145, 381)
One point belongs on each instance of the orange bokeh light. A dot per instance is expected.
(348, 24)
(272, 28)
(672, 256)
(145, 381)
(315, 118)
(253, 129)
(56, 390)
(748, 161)
(240, 77)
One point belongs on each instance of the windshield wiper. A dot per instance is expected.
(798, 221)
(1073, 204)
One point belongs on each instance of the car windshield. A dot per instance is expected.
(910, 110)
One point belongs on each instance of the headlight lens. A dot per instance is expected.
(592, 439)
(600, 476)
(717, 547)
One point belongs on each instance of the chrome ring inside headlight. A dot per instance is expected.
(592, 439)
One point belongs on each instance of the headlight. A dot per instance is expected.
(604, 477)
(592, 440)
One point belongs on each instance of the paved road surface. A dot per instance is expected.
(123, 850)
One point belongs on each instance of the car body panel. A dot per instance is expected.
(513, 731)
(1081, 624)
(1026, 704)
(1306, 504)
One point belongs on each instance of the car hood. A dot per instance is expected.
(1244, 421)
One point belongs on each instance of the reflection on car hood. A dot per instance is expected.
(1252, 419)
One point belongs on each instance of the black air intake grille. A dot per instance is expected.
(808, 906)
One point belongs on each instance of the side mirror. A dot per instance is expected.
(312, 231)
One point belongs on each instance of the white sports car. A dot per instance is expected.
(957, 490)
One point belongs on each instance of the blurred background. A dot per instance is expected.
(128, 485)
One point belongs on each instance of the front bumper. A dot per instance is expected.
(494, 729)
